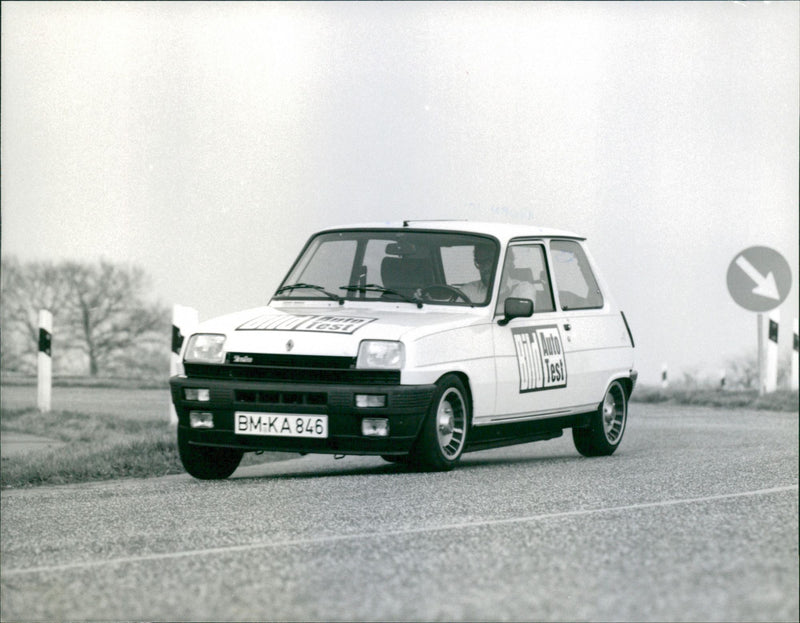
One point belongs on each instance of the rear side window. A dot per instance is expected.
(575, 281)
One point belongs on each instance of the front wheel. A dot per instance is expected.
(606, 426)
(444, 432)
(207, 463)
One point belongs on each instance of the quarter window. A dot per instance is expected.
(577, 286)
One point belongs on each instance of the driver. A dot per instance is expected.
(477, 291)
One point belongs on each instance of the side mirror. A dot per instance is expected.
(516, 308)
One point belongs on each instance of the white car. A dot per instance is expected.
(416, 342)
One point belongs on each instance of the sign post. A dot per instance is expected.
(759, 279)
(794, 380)
(184, 320)
(760, 355)
(44, 362)
(771, 375)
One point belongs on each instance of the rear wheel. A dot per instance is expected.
(607, 424)
(444, 432)
(207, 463)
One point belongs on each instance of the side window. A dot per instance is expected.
(577, 286)
(525, 276)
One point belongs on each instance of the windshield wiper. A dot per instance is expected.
(374, 287)
(311, 286)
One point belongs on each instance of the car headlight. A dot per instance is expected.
(380, 354)
(205, 348)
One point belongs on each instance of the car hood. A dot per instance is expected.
(334, 330)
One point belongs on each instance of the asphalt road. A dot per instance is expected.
(694, 518)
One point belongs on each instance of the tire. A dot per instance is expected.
(206, 463)
(444, 432)
(607, 424)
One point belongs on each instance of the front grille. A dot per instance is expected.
(246, 372)
(291, 361)
(254, 397)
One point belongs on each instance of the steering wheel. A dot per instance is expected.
(450, 293)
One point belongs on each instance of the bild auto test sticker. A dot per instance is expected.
(540, 357)
(320, 324)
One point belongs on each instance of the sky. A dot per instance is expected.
(205, 142)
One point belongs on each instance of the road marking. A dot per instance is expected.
(373, 535)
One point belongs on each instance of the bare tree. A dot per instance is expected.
(107, 313)
(743, 372)
(99, 310)
(24, 290)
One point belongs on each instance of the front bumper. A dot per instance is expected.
(406, 408)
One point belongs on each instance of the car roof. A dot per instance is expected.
(502, 231)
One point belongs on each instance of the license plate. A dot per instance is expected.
(281, 424)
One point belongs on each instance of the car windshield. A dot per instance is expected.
(394, 265)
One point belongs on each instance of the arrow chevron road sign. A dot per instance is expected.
(765, 284)
(759, 279)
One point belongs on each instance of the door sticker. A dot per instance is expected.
(319, 324)
(540, 358)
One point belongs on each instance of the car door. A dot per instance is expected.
(597, 345)
(532, 366)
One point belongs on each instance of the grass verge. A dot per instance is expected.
(83, 462)
(97, 447)
(159, 382)
(781, 400)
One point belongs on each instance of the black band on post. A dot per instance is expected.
(773, 331)
(45, 342)
(177, 340)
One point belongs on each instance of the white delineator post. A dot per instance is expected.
(771, 376)
(184, 319)
(794, 380)
(44, 362)
(760, 357)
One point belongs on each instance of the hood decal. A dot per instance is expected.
(318, 324)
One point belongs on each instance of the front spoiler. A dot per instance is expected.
(406, 408)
